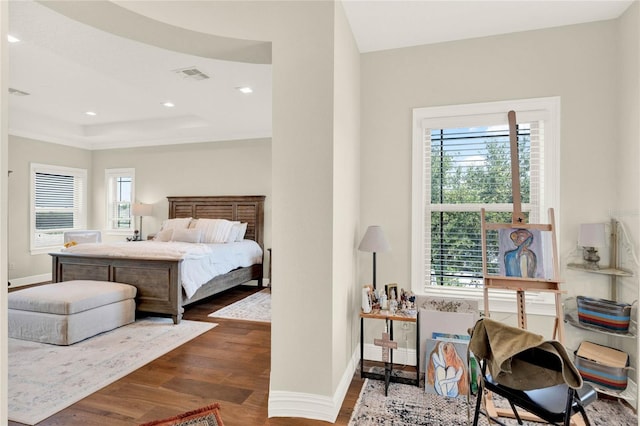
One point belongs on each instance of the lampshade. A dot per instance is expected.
(139, 209)
(374, 240)
(592, 235)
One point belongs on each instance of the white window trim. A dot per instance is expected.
(108, 174)
(482, 114)
(47, 168)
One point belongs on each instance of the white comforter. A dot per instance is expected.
(200, 262)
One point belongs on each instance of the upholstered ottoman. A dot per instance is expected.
(67, 312)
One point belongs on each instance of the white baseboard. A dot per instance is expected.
(34, 279)
(311, 406)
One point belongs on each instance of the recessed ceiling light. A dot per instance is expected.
(12, 39)
(169, 104)
(245, 89)
(90, 113)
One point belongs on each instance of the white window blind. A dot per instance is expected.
(468, 169)
(58, 203)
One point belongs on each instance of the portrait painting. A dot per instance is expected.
(447, 368)
(521, 253)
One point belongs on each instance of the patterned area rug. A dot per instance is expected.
(410, 406)
(205, 416)
(44, 379)
(256, 307)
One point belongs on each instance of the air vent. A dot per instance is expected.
(192, 73)
(17, 92)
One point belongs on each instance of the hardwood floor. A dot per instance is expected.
(228, 364)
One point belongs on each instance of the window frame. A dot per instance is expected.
(480, 114)
(110, 178)
(80, 223)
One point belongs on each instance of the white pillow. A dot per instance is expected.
(242, 231)
(233, 234)
(187, 235)
(214, 230)
(179, 223)
(164, 235)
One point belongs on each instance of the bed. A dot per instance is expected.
(159, 280)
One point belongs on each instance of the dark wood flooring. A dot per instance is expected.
(228, 364)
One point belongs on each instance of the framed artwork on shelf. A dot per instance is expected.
(392, 291)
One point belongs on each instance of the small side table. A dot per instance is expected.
(389, 319)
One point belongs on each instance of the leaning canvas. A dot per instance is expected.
(447, 367)
(444, 315)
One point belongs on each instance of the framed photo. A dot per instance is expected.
(392, 291)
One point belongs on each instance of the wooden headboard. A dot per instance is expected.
(243, 208)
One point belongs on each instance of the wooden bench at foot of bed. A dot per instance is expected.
(157, 281)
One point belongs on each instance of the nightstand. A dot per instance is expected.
(389, 318)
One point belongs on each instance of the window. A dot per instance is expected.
(461, 163)
(58, 204)
(119, 184)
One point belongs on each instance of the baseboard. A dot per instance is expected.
(34, 279)
(312, 406)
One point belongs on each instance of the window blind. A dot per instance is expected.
(466, 169)
(58, 196)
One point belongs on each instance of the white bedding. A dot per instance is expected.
(200, 262)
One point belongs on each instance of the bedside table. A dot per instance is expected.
(389, 318)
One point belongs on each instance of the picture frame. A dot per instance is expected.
(392, 291)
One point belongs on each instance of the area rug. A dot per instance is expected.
(205, 416)
(44, 379)
(408, 405)
(256, 307)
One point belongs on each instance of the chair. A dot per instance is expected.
(83, 236)
(534, 374)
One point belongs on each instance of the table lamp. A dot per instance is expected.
(374, 241)
(591, 235)
(139, 209)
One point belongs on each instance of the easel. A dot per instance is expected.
(518, 284)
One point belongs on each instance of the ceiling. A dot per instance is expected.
(69, 68)
(380, 25)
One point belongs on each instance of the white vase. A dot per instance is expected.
(383, 301)
(366, 302)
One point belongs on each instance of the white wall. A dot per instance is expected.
(240, 167)
(4, 168)
(627, 177)
(346, 196)
(212, 168)
(577, 63)
(304, 39)
(22, 152)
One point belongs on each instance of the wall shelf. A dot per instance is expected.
(603, 271)
(571, 317)
(614, 272)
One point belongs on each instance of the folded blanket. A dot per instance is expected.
(508, 353)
